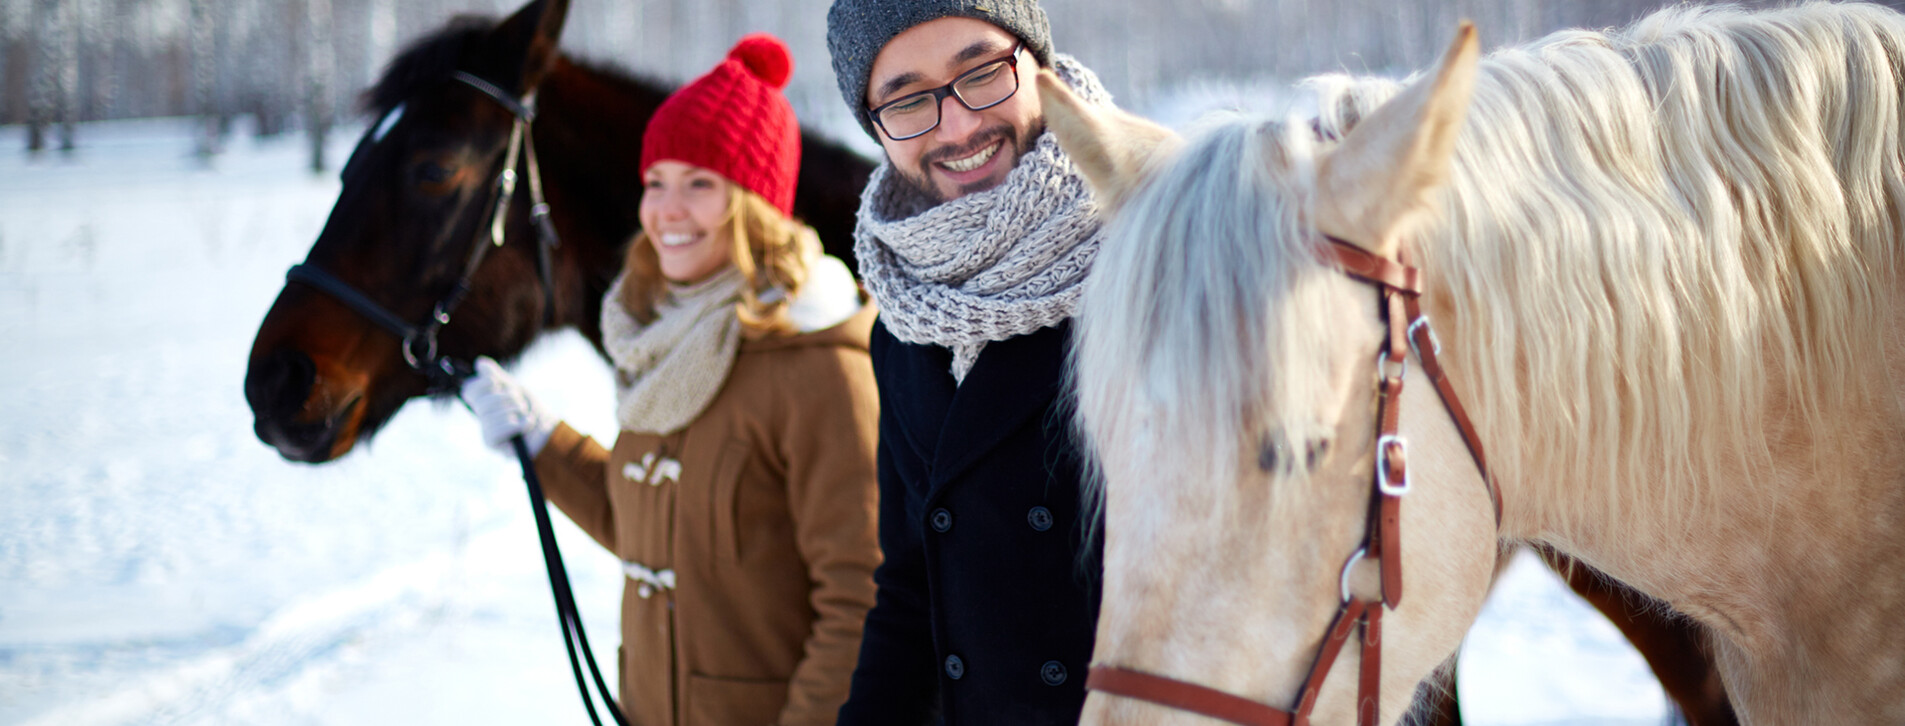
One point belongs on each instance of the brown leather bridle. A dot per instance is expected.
(1400, 289)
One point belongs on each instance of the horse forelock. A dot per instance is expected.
(426, 63)
(1183, 343)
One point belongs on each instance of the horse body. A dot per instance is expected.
(322, 377)
(1663, 264)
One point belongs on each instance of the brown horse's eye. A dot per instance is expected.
(431, 173)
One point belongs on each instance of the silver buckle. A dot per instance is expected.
(1435, 343)
(1382, 464)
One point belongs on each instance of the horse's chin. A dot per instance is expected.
(314, 442)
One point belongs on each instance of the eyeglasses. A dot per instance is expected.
(978, 89)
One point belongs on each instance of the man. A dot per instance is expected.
(974, 237)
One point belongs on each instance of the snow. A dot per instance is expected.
(160, 565)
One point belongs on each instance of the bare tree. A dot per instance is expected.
(202, 29)
(66, 68)
(320, 71)
(43, 88)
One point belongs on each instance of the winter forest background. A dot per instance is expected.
(299, 64)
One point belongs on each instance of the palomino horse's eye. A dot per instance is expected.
(1269, 454)
(1271, 458)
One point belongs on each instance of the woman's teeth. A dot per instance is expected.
(677, 239)
(975, 161)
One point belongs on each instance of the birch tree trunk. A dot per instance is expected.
(43, 86)
(201, 29)
(66, 67)
(320, 70)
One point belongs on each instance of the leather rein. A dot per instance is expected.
(420, 341)
(1400, 291)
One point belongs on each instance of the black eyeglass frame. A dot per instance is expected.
(939, 95)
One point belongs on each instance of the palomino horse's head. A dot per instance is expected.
(1227, 383)
(414, 203)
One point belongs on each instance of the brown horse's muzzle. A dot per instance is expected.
(310, 380)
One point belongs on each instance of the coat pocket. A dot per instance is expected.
(726, 513)
(716, 701)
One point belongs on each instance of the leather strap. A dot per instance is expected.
(1183, 696)
(1369, 686)
(1426, 348)
(1366, 266)
(1212, 703)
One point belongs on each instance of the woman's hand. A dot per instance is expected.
(505, 409)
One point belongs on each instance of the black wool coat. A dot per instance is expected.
(988, 596)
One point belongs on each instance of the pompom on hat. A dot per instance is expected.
(735, 121)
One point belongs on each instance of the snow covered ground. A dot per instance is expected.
(160, 565)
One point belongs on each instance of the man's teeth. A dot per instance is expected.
(676, 239)
(975, 161)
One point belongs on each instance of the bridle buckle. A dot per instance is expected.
(1383, 447)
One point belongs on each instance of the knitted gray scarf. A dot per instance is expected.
(987, 266)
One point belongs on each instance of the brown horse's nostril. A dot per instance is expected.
(277, 384)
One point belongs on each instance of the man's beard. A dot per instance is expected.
(917, 180)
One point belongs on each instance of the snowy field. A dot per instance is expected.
(159, 565)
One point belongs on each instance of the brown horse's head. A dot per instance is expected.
(414, 202)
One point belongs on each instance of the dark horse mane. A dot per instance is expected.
(432, 58)
(427, 61)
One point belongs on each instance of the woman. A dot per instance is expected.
(740, 493)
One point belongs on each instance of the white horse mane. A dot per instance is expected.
(1652, 237)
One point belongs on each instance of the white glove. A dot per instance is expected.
(504, 409)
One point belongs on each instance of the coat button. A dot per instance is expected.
(942, 520)
(1053, 673)
(1040, 518)
(955, 668)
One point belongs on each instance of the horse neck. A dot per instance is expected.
(588, 133)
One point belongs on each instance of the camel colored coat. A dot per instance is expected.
(769, 530)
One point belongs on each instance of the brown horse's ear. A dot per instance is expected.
(1374, 186)
(1111, 147)
(525, 44)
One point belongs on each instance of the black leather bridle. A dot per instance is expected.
(446, 374)
(419, 341)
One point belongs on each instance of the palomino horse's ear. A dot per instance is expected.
(1110, 146)
(1379, 180)
(525, 44)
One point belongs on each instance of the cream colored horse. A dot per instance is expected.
(1662, 264)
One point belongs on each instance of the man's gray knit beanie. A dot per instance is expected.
(858, 29)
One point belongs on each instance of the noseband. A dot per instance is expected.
(420, 341)
(1400, 288)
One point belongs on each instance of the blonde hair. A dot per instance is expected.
(771, 250)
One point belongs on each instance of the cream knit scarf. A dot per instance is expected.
(669, 371)
(987, 266)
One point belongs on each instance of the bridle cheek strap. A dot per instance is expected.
(1400, 287)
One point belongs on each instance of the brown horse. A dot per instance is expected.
(414, 204)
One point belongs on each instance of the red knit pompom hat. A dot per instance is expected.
(734, 121)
